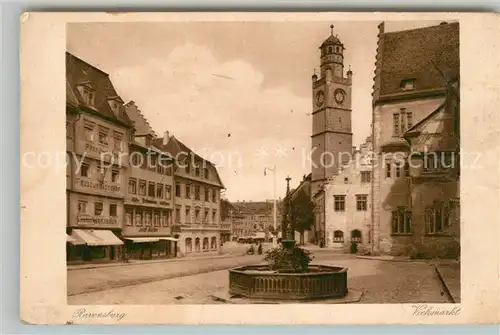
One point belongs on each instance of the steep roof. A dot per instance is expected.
(141, 124)
(79, 72)
(257, 207)
(174, 147)
(414, 54)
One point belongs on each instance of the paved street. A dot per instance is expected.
(380, 281)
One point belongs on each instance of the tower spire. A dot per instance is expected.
(331, 29)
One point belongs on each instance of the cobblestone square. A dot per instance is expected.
(380, 281)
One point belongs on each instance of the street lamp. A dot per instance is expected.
(275, 242)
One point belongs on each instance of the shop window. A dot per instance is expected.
(205, 244)
(339, 203)
(401, 221)
(338, 236)
(197, 244)
(213, 243)
(361, 202)
(113, 210)
(356, 235)
(168, 192)
(189, 245)
(98, 206)
(142, 187)
(151, 189)
(159, 191)
(97, 252)
(132, 186)
(82, 207)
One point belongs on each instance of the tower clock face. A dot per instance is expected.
(339, 96)
(320, 98)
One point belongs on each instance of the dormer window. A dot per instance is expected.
(115, 103)
(408, 84)
(88, 93)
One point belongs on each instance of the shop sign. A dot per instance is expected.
(148, 230)
(96, 220)
(147, 201)
(98, 185)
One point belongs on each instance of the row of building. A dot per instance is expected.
(131, 193)
(398, 193)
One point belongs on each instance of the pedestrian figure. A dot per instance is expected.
(259, 249)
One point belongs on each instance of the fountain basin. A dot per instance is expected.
(260, 282)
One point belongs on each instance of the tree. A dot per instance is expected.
(303, 213)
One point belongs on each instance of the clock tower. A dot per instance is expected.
(331, 125)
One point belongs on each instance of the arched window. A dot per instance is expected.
(213, 243)
(189, 245)
(330, 50)
(356, 235)
(338, 236)
(205, 243)
(197, 244)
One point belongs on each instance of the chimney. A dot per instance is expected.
(166, 137)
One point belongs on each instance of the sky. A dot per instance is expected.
(238, 93)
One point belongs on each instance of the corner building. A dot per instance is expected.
(98, 132)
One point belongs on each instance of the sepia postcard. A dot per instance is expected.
(259, 168)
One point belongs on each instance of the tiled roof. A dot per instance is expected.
(258, 207)
(80, 72)
(141, 124)
(332, 40)
(174, 147)
(411, 54)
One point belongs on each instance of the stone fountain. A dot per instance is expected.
(288, 277)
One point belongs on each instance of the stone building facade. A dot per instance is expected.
(98, 132)
(147, 228)
(413, 70)
(331, 114)
(348, 209)
(196, 192)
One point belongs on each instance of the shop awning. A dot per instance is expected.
(93, 237)
(143, 239)
(168, 238)
(73, 240)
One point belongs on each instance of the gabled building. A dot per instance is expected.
(348, 215)
(413, 71)
(149, 203)
(98, 132)
(197, 221)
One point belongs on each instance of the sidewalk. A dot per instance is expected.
(449, 274)
(105, 278)
(141, 262)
